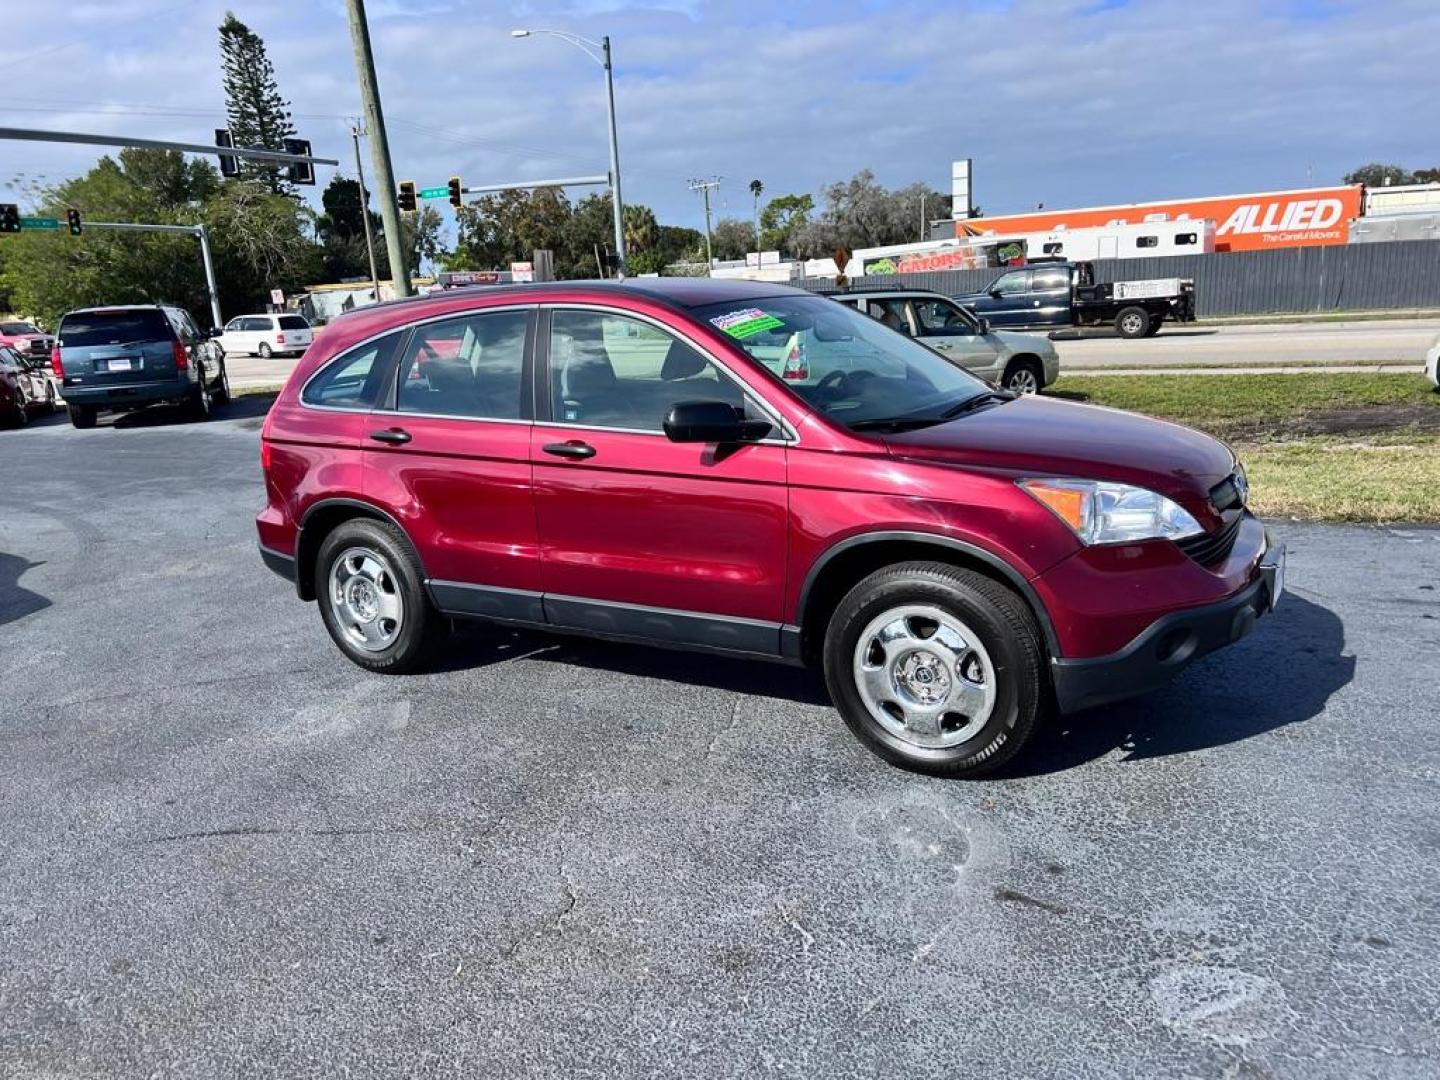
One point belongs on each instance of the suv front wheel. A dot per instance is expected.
(936, 668)
(371, 593)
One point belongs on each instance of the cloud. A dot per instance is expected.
(1063, 101)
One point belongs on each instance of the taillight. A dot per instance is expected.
(279, 339)
(55, 363)
(182, 358)
(264, 456)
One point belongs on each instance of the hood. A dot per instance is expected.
(1040, 436)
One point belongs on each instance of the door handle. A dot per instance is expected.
(572, 449)
(393, 437)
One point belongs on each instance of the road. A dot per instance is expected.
(1401, 340)
(228, 852)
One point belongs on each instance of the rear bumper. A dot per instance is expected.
(127, 397)
(1171, 643)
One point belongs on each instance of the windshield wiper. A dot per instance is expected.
(975, 402)
(894, 423)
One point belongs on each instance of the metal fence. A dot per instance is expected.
(1349, 277)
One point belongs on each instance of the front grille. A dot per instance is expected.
(1209, 548)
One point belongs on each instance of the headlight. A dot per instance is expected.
(1100, 512)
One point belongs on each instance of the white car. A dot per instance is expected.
(1432, 364)
(266, 335)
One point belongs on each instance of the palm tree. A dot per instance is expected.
(641, 228)
(756, 187)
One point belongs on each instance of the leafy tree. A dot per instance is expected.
(732, 238)
(1378, 175)
(258, 116)
(259, 240)
(679, 243)
(780, 220)
(342, 218)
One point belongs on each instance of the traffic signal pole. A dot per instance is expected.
(379, 146)
(186, 230)
(365, 214)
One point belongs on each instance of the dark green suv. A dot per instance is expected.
(122, 358)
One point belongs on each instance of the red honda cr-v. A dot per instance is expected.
(754, 470)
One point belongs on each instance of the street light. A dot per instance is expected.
(599, 51)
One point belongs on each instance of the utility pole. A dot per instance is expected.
(365, 212)
(616, 207)
(756, 187)
(379, 146)
(704, 186)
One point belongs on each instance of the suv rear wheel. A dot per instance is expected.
(372, 598)
(81, 416)
(935, 668)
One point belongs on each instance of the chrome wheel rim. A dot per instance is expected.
(365, 599)
(924, 676)
(1130, 324)
(1023, 381)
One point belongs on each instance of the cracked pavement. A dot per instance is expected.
(224, 851)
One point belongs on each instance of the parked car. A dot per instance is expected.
(1057, 294)
(25, 337)
(631, 461)
(267, 335)
(123, 358)
(1024, 363)
(14, 390)
(36, 376)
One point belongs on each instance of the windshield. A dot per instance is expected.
(114, 327)
(845, 364)
(10, 328)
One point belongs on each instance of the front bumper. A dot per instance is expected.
(1169, 644)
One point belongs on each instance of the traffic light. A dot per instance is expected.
(299, 172)
(407, 196)
(229, 163)
(9, 217)
(455, 192)
(73, 217)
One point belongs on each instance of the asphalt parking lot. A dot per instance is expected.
(224, 851)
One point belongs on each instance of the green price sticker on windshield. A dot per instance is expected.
(746, 323)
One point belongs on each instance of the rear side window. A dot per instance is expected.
(353, 379)
(1054, 278)
(1185, 238)
(1147, 241)
(293, 322)
(114, 327)
(470, 366)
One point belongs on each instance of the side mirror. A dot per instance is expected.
(712, 422)
(995, 293)
(215, 332)
(982, 326)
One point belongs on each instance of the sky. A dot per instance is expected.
(1061, 102)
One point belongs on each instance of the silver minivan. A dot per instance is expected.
(267, 335)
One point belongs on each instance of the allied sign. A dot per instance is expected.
(1309, 217)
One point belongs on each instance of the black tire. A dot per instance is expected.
(82, 416)
(197, 408)
(1025, 375)
(265, 351)
(421, 628)
(1006, 631)
(1132, 322)
(50, 405)
(220, 394)
(1154, 327)
(18, 417)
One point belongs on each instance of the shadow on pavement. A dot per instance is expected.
(476, 645)
(1095, 333)
(248, 407)
(15, 602)
(1283, 674)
